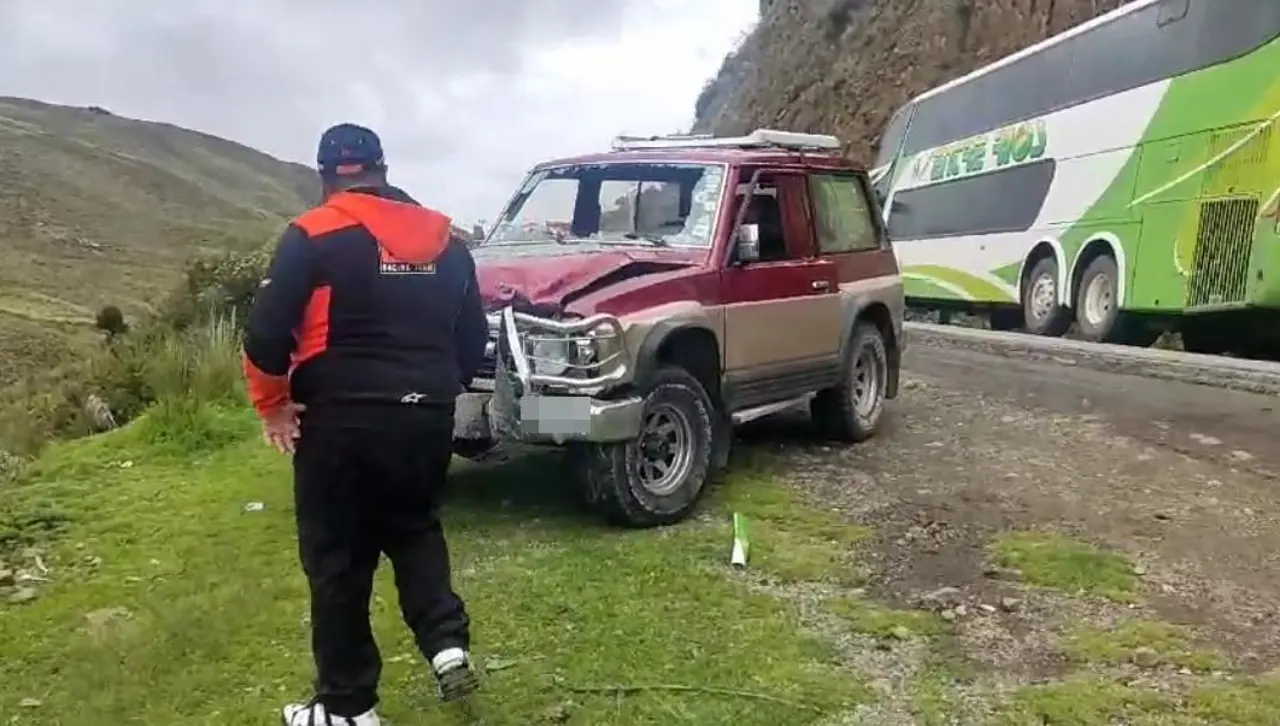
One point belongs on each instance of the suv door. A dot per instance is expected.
(850, 237)
(783, 313)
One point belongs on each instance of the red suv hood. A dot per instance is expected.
(549, 281)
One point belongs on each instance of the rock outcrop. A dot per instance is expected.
(844, 66)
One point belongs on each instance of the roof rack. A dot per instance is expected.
(758, 139)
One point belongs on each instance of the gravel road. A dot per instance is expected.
(1182, 477)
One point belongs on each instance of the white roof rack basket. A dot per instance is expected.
(758, 139)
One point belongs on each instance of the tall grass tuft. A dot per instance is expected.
(195, 378)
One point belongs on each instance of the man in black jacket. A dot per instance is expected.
(367, 327)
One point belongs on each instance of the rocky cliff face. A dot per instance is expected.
(843, 66)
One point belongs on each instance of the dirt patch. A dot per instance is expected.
(957, 466)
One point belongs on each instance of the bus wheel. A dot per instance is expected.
(1040, 309)
(1096, 306)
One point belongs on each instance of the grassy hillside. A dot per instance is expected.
(96, 209)
(844, 66)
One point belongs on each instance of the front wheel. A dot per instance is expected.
(851, 411)
(658, 478)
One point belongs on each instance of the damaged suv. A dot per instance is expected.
(645, 300)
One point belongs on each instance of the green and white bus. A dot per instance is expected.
(1123, 175)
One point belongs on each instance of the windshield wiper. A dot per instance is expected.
(654, 239)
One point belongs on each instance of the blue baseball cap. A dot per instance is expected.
(349, 149)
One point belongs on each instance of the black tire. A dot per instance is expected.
(612, 473)
(1056, 319)
(1097, 310)
(837, 411)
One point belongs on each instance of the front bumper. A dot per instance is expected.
(576, 403)
(548, 420)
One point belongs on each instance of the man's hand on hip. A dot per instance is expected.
(280, 427)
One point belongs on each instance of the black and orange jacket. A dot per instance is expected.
(369, 298)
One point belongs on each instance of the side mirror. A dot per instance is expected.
(747, 243)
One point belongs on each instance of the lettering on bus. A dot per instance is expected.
(1014, 145)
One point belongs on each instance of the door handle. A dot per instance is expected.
(820, 285)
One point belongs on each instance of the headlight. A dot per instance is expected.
(550, 356)
(579, 355)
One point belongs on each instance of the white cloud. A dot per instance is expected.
(466, 95)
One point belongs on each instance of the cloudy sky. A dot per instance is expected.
(466, 95)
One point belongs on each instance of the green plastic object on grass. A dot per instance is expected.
(741, 542)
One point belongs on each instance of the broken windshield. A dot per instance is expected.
(620, 203)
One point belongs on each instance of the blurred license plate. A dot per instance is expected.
(569, 415)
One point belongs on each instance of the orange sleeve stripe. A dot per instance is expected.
(313, 333)
(266, 392)
(322, 220)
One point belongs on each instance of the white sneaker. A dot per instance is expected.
(455, 678)
(314, 714)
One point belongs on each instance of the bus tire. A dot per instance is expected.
(1096, 307)
(1041, 312)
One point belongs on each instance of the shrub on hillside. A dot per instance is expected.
(11, 467)
(42, 408)
(216, 287)
(110, 320)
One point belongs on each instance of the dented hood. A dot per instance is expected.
(548, 280)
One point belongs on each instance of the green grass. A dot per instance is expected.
(791, 542)
(871, 618)
(1062, 563)
(1145, 643)
(1084, 701)
(1094, 701)
(169, 600)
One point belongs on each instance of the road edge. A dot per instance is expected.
(1207, 370)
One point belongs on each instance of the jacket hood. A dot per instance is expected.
(406, 231)
(548, 283)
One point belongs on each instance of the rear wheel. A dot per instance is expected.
(1098, 315)
(659, 477)
(1041, 312)
(1096, 306)
(851, 411)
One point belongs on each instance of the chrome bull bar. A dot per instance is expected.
(602, 336)
(523, 404)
